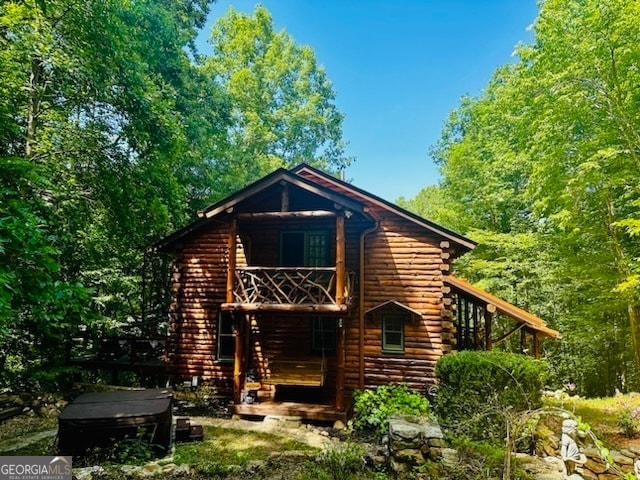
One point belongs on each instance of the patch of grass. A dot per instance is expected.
(601, 414)
(223, 448)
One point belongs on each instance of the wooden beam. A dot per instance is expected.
(286, 215)
(340, 258)
(279, 307)
(509, 333)
(231, 272)
(536, 346)
(340, 357)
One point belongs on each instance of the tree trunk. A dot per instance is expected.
(34, 105)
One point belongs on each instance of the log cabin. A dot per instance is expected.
(301, 288)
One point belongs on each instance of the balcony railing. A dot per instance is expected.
(290, 286)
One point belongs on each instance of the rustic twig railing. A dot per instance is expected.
(289, 285)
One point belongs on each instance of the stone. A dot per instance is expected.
(398, 467)
(449, 457)
(151, 469)
(87, 473)
(588, 474)
(621, 459)
(425, 450)
(595, 466)
(406, 432)
(634, 448)
(339, 425)
(409, 456)
(608, 476)
(627, 453)
(435, 454)
(548, 476)
(433, 430)
(283, 421)
(435, 442)
(554, 463)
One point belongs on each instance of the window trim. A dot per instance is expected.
(393, 348)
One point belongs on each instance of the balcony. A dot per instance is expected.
(296, 289)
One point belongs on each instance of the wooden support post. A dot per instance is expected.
(536, 346)
(284, 200)
(231, 272)
(488, 323)
(238, 359)
(340, 357)
(340, 258)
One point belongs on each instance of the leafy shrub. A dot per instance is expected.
(374, 407)
(477, 390)
(341, 461)
(629, 421)
(53, 379)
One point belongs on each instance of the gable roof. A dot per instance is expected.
(273, 178)
(394, 305)
(461, 240)
(353, 199)
(521, 316)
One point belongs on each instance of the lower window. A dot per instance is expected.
(226, 337)
(393, 333)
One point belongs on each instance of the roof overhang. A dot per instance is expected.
(281, 175)
(394, 306)
(466, 243)
(528, 320)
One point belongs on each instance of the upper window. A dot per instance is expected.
(324, 335)
(226, 337)
(304, 249)
(393, 333)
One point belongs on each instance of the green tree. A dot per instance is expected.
(544, 165)
(283, 110)
(119, 130)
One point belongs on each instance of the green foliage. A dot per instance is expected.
(136, 450)
(113, 132)
(283, 110)
(542, 168)
(374, 407)
(629, 421)
(54, 379)
(477, 390)
(340, 461)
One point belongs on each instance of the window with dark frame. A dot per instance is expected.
(393, 333)
(324, 335)
(226, 337)
(304, 249)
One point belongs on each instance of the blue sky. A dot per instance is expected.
(398, 69)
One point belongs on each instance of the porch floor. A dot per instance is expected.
(306, 411)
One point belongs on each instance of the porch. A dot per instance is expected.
(302, 410)
(289, 365)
